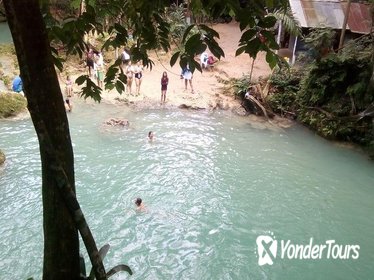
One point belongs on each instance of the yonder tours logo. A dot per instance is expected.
(267, 250)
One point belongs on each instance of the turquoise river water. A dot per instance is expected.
(212, 184)
(5, 36)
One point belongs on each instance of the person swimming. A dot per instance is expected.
(139, 204)
(151, 136)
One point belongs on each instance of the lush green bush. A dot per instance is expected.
(11, 104)
(328, 94)
(334, 81)
(334, 90)
(285, 85)
(176, 19)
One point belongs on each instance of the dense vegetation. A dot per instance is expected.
(330, 94)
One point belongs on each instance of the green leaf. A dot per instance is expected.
(192, 43)
(122, 77)
(120, 87)
(267, 22)
(248, 35)
(109, 86)
(270, 39)
(271, 58)
(91, 90)
(196, 65)
(216, 50)
(240, 50)
(187, 31)
(174, 58)
(253, 47)
(214, 47)
(81, 79)
(209, 30)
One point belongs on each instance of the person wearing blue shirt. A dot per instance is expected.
(17, 84)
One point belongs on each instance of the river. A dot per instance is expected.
(212, 183)
(5, 35)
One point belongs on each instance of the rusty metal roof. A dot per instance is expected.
(319, 13)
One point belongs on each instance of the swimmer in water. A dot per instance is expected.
(151, 136)
(139, 204)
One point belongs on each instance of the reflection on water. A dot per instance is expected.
(211, 183)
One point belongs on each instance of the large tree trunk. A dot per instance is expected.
(45, 103)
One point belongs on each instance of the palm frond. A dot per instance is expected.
(290, 23)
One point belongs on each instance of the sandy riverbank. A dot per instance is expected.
(208, 91)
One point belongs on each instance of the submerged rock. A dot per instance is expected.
(2, 157)
(117, 122)
(192, 107)
(240, 111)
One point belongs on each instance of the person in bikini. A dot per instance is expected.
(138, 74)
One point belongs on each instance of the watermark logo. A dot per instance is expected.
(267, 250)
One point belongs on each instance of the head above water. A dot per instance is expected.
(138, 201)
(150, 134)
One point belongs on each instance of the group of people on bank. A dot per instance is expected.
(134, 72)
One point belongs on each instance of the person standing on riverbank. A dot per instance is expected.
(90, 61)
(187, 76)
(125, 58)
(99, 67)
(130, 77)
(17, 85)
(138, 74)
(164, 87)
